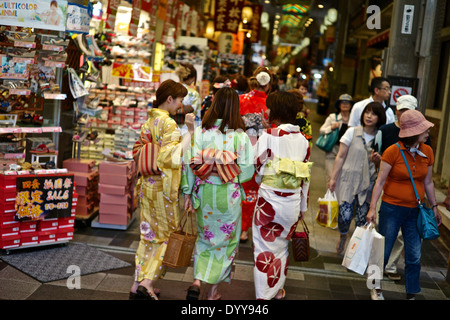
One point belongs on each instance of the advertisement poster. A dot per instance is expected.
(41, 14)
(135, 72)
(44, 197)
(78, 18)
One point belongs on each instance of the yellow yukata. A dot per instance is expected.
(160, 213)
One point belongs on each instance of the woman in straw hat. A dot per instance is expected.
(399, 204)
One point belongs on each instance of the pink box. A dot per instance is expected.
(115, 199)
(115, 179)
(79, 165)
(111, 218)
(123, 168)
(113, 189)
(84, 210)
(82, 179)
(113, 209)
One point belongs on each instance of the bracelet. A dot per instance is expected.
(432, 207)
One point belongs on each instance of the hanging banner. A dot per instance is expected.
(78, 18)
(135, 16)
(162, 9)
(255, 24)
(228, 15)
(41, 14)
(44, 197)
(146, 5)
(111, 14)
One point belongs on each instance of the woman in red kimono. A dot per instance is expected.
(253, 111)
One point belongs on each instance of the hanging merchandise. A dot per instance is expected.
(78, 18)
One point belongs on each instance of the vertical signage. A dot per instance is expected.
(228, 15)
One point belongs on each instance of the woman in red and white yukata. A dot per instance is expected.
(283, 168)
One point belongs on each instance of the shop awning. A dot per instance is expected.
(378, 38)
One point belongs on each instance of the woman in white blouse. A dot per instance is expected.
(336, 120)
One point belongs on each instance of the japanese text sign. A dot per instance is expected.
(227, 15)
(44, 197)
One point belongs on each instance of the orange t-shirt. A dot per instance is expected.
(398, 189)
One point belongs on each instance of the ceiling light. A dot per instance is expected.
(320, 6)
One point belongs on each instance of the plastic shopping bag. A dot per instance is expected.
(357, 254)
(328, 212)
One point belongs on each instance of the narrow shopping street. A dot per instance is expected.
(321, 278)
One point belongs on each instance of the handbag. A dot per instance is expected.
(328, 212)
(426, 221)
(181, 244)
(326, 142)
(145, 154)
(300, 243)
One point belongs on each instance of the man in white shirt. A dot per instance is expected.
(381, 91)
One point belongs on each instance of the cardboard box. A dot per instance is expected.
(79, 165)
(48, 225)
(124, 200)
(84, 210)
(113, 209)
(8, 220)
(31, 238)
(10, 242)
(84, 179)
(10, 231)
(7, 181)
(115, 179)
(7, 194)
(113, 189)
(7, 207)
(112, 218)
(65, 223)
(47, 236)
(119, 168)
(28, 226)
(66, 234)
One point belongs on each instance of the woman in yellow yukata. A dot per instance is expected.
(283, 170)
(159, 192)
(221, 159)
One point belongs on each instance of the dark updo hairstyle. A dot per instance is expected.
(169, 88)
(378, 109)
(283, 107)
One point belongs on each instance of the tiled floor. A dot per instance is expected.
(321, 278)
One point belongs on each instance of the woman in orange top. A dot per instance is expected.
(399, 204)
(253, 111)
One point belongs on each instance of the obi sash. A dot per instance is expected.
(145, 154)
(215, 162)
(288, 174)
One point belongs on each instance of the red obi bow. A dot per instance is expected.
(211, 161)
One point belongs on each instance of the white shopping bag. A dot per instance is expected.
(376, 259)
(356, 257)
(328, 212)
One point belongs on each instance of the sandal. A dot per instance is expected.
(42, 148)
(142, 294)
(283, 295)
(193, 293)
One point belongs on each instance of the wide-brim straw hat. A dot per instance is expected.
(413, 123)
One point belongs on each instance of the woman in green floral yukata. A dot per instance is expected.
(221, 158)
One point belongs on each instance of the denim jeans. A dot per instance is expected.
(392, 218)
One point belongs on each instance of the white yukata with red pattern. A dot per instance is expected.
(278, 205)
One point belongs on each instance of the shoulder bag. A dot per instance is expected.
(326, 142)
(426, 221)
